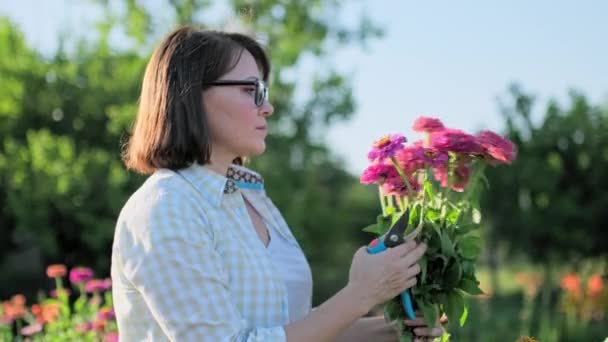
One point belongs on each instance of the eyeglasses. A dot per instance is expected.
(261, 90)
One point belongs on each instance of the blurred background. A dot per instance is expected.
(344, 73)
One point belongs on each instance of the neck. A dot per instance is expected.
(220, 163)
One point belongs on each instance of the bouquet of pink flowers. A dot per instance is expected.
(438, 180)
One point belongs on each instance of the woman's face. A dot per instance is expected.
(237, 126)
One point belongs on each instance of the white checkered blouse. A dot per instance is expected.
(187, 264)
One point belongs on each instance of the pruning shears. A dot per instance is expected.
(395, 237)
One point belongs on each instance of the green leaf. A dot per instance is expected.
(445, 337)
(384, 223)
(429, 311)
(428, 188)
(392, 310)
(470, 286)
(453, 216)
(455, 305)
(463, 317)
(452, 275)
(468, 268)
(470, 246)
(406, 337)
(466, 228)
(373, 228)
(423, 263)
(447, 247)
(433, 215)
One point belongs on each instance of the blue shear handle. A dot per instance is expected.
(406, 299)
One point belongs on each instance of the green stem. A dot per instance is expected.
(473, 182)
(382, 204)
(405, 179)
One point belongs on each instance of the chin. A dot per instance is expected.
(255, 150)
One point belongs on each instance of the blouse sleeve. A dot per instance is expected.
(169, 257)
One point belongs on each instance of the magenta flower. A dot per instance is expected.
(110, 337)
(378, 173)
(454, 140)
(396, 186)
(84, 327)
(80, 275)
(428, 125)
(460, 176)
(416, 157)
(95, 285)
(386, 147)
(107, 284)
(106, 314)
(31, 329)
(411, 158)
(496, 148)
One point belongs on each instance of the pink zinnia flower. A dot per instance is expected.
(378, 173)
(79, 275)
(31, 329)
(411, 158)
(54, 293)
(426, 124)
(107, 284)
(56, 270)
(84, 327)
(416, 157)
(386, 147)
(95, 285)
(396, 186)
(496, 148)
(110, 337)
(460, 176)
(106, 314)
(454, 140)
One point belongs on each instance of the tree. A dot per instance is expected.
(550, 207)
(62, 119)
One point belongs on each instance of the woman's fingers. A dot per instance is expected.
(428, 332)
(418, 322)
(413, 256)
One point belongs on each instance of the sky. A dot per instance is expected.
(450, 60)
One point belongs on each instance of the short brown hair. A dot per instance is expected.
(171, 129)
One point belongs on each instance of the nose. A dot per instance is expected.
(266, 109)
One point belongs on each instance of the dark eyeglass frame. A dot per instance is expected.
(261, 90)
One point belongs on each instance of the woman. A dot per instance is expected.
(200, 252)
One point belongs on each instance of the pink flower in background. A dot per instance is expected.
(426, 124)
(110, 337)
(84, 327)
(95, 285)
(107, 284)
(31, 329)
(55, 292)
(454, 140)
(496, 148)
(378, 173)
(80, 275)
(386, 147)
(106, 314)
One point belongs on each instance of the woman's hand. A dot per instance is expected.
(377, 278)
(422, 333)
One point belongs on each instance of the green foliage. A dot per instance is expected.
(551, 206)
(63, 119)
